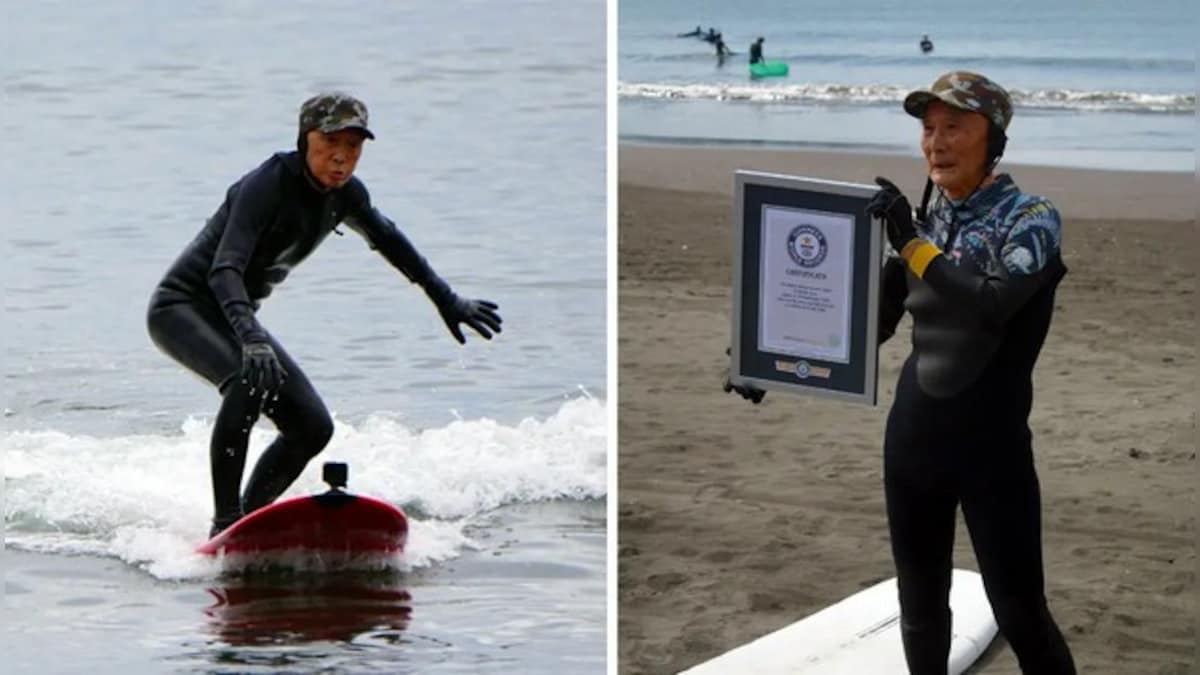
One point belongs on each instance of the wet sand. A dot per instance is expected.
(736, 520)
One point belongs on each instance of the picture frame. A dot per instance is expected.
(806, 274)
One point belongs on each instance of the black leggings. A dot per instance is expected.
(198, 337)
(974, 450)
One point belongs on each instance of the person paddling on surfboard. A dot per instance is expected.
(202, 313)
(756, 52)
(926, 44)
(977, 270)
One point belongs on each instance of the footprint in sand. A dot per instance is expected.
(720, 556)
(665, 581)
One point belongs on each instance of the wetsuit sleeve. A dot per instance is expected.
(254, 205)
(382, 235)
(893, 290)
(1033, 240)
(1030, 256)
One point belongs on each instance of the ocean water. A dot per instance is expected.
(1108, 85)
(124, 125)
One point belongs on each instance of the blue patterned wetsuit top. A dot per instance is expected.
(1006, 232)
(1004, 253)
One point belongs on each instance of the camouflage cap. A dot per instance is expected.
(332, 112)
(968, 91)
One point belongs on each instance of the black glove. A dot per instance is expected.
(480, 315)
(261, 368)
(752, 394)
(748, 392)
(892, 206)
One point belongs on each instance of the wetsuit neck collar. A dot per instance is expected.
(956, 213)
(293, 161)
(1002, 183)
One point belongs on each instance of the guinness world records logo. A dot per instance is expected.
(807, 246)
(803, 370)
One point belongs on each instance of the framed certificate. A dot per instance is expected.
(805, 286)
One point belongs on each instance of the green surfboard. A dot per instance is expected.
(768, 69)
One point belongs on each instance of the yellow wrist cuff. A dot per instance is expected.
(918, 253)
(911, 246)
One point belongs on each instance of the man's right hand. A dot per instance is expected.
(752, 394)
(261, 369)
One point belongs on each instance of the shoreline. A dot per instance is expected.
(869, 149)
(1078, 193)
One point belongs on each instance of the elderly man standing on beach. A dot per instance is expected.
(977, 270)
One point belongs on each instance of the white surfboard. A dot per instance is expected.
(860, 634)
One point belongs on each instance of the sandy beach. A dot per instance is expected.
(736, 520)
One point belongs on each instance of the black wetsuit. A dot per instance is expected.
(756, 54)
(202, 312)
(958, 431)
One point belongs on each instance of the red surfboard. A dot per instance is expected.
(332, 523)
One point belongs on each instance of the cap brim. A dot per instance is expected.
(349, 125)
(916, 102)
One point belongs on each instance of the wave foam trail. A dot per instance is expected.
(1063, 99)
(146, 499)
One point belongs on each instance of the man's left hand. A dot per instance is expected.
(479, 315)
(893, 208)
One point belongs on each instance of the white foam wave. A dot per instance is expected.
(146, 499)
(867, 94)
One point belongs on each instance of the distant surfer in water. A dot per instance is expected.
(712, 35)
(756, 54)
(202, 313)
(977, 270)
(926, 44)
(722, 49)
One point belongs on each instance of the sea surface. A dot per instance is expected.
(124, 124)
(1105, 85)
